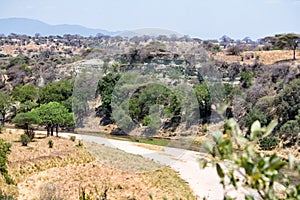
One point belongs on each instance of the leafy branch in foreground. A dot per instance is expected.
(238, 163)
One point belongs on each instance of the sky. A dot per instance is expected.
(205, 19)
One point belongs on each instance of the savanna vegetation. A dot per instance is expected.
(258, 81)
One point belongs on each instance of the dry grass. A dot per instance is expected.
(116, 158)
(265, 57)
(37, 156)
(64, 169)
(121, 185)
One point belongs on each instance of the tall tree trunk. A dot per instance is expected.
(3, 119)
(48, 130)
(56, 130)
(52, 128)
(27, 128)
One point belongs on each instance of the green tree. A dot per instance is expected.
(290, 41)
(5, 103)
(56, 92)
(27, 106)
(204, 99)
(105, 89)
(288, 101)
(23, 93)
(53, 115)
(24, 120)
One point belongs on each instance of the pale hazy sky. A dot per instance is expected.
(197, 18)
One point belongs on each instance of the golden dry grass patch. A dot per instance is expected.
(121, 185)
(265, 57)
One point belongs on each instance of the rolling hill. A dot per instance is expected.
(31, 27)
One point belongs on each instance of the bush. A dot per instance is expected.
(24, 139)
(268, 143)
(254, 115)
(4, 150)
(93, 195)
(50, 143)
(73, 138)
(246, 78)
(80, 143)
(6, 197)
(1, 128)
(290, 127)
(234, 50)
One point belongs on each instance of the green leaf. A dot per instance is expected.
(249, 197)
(208, 146)
(241, 140)
(218, 137)
(291, 161)
(255, 129)
(220, 171)
(270, 128)
(202, 163)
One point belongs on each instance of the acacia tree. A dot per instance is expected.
(5, 103)
(290, 41)
(53, 115)
(24, 120)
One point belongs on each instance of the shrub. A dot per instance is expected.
(246, 78)
(254, 115)
(73, 138)
(6, 197)
(24, 139)
(50, 143)
(216, 48)
(290, 127)
(80, 143)
(268, 143)
(234, 50)
(1, 128)
(93, 195)
(4, 150)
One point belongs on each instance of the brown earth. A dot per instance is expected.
(66, 169)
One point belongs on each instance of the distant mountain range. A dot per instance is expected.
(149, 31)
(32, 26)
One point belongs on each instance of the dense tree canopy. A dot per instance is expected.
(56, 91)
(53, 115)
(105, 89)
(24, 93)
